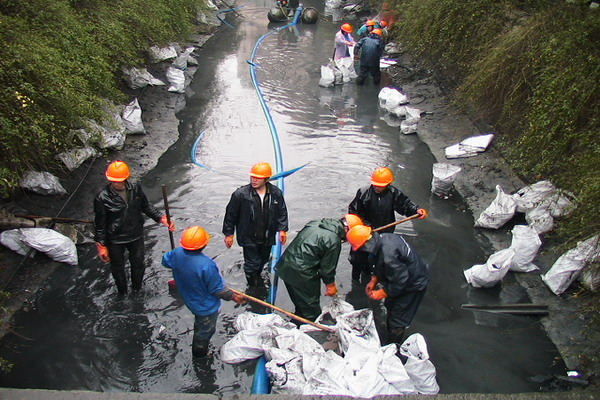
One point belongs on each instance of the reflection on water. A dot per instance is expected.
(80, 336)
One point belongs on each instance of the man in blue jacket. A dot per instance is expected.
(200, 284)
(371, 49)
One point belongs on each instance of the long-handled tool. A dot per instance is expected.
(518, 308)
(396, 223)
(57, 219)
(168, 214)
(281, 310)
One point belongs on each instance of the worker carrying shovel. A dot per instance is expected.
(200, 283)
(402, 275)
(312, 257)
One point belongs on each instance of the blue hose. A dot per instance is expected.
(261, 383)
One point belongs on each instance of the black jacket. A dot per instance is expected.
(371, 49)
(398, 267)
(378, 209)
(118, 222)
(241, 215)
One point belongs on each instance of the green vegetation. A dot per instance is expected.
(60, 60)
(532, 69)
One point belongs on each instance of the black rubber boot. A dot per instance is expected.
(200, 348)
(253, 279)
(396, 335)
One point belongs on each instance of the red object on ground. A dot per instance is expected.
(172, 284)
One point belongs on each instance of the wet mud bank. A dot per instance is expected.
(569, 317)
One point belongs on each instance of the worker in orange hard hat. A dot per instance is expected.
(376, 204)
(371, 50)
(118, 225)
(312, 257)
(343, 41)
(200, 283)
(400, 276)
(256, 212)
(367, 28)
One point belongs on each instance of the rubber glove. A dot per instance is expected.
(371, 285)
(283, 237)
(229, 241)
(332, 289)
(423, 213)
(238, 298)
(171, 225)
(378, 294)
(103, 252)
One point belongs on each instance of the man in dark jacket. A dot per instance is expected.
(399, 270)
(371, 49)
(119, 225)
(312, 257)
(256, 212)
(376, 205)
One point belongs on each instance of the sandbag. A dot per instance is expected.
(568, 267)
(525, 243)
(132, 118)
(55, 245)
(138, 78)
(539, 219)
(181, 62)
(559, 204)
(358, 327)
(176, 78)
(326, 376)
(247, 345)
(327, 76)
(418, 367)
(13, 240)
(394, 372)
(346, 66)
(532, 196)
(499, 212)
(75, 157)
(42, 183)
(443, 178)
(158, 54)
(250, 320)
(390, 98)
(286, 376)
(407, 127)
(492, 272)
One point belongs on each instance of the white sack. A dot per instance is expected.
(250, 320)
(326, 376)
(75, 157)
(492, 272)
(42, 183)
(346, 67)
(333, 309)
(540, 220)
(525, 243)
(532, 196)
(455, 151)
(56, 246)
(413, 115)
(407, 127)
(13, 239)
(176, 78)
(339, 77)
(569, 266)
(399, 111)
(132, 118)
(499, 212)
(247, 345)
(392, 48)
(418, 366)
(296, 341)
(390, 98)
(393, 371)
(138, 78)
(109, 137)
(358, 327)
(443, 178)
(476, 144)
(286, 375)
(560, 204)
(158, 54)
(327, 76)
(366, 381)
(183, 59)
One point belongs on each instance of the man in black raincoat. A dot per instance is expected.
(402, 275)
(312, 257)
(371, 49)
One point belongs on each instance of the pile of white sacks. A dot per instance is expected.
(299, 364)
(397, 108)
(541, 203)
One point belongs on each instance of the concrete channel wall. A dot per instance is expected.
(31, 394)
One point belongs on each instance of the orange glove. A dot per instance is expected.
(371, 285)
(332, 289)
(103, 252)
(238, 298)
(378, 294)
(171, 225)
(283, 237)
(423, 213)
(229, 241)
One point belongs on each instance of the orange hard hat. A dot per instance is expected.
(358, 236)
(371, 22)
(352, 220)
(382, 176)
(377, 31)
(194, 238)
(118, 171)
(261, 170)
(347, 28)
(382, 23)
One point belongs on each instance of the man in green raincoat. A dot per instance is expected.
(312, 257)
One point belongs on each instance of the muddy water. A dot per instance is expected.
(78, 335)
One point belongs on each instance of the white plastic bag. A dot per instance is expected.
(176, 78)
(525, 243)
(390, 98)
(492, 272)
(569, 266)
(247, 345)
(56, 246)
(327, 76)
(443, 178)
(181, 62)
(138, 78)
(285, 372)
(250, 320)
(532, 196)
(413, 115)
(13, 239)
(132, 118)
(560, 204)
(158, 54)
(539, 219)
(499, 212)
(75, 157)
(358, 327)
(42, 183)
(419, 368)
(346, 67)
(393, 371)
(326, 375)
(407, 127)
